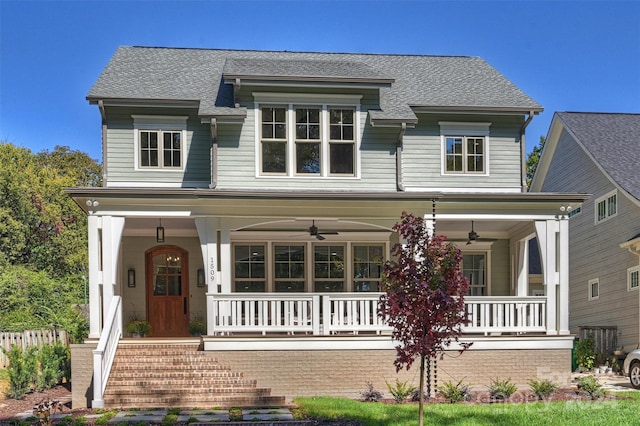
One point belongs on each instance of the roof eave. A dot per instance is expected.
(145, 102)
(475, 109)
(307, 81)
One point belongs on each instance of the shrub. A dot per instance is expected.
(502, 389)
(455, 393)
(370, 394)
(585, 353)
(23, 371)
(589, 385)
(400, 391)
(415, 396)
(542, 388)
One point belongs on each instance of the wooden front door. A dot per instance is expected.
(167, 276)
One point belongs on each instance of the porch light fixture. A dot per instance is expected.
(201, 280)
(131, 277)
(160, 233)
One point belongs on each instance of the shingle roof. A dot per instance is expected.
(613, 140)
(197, 74)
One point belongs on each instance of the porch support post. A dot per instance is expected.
(208, 228)
(523, 267)
(95, 276)
(563, 276)
(546, 231)
(112, 228)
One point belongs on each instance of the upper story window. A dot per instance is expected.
(606, 206)
(633, 278)
(465, 148)
(159, 142)
(305, 139)
(593, 287)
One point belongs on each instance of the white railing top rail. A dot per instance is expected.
(105, 352)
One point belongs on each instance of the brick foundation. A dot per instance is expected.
(82, 374)
(345, 373)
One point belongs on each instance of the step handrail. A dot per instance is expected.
(105, 352)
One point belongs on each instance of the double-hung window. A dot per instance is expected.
(633, 278)
(475, 270)
(606, 206)
(465, 148)
(307, 139)
(159, 142)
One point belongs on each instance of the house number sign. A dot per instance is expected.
(212, 270)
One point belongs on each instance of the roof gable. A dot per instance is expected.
(611, 140)
(170, 74)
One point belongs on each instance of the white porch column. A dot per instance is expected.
(523, 268)
(112, 228)
(208, 231)
(546, 232)
(95, 276)
(563, 276)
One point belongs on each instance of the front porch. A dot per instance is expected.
(326, 314)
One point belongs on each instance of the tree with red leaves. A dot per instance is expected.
(424, 298)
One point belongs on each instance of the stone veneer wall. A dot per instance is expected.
(345, 372)
(82, 374)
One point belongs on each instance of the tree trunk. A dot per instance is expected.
(421, 395)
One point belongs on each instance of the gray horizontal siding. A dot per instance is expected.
(120, 150)
(595, 249)
(423, 156)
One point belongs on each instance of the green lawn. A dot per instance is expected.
(625, 410)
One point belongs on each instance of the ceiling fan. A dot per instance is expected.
(473, 236)
(314, 232)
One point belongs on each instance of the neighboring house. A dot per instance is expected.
(258, 189)
(598, 153)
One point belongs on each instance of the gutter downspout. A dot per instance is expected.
(523, 153)
(214, 153)
(399, 182)
(103, 114)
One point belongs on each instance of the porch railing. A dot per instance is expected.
(105, 352)
(333, 313)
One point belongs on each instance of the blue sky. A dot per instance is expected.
(567, 55)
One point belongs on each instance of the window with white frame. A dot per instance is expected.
(606, 206)
(286, 267)
(633, 278)
(249, 272)
(159, 142)
(594, 289)
(367, 267)
(475, 270)
(307, 139)
(465, 148)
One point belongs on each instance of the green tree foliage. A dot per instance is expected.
(532, 160)
(40, 225)
(43, 237)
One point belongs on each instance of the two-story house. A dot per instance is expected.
(598, 153)
(257, 190)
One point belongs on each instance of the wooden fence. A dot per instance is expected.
(30, 338)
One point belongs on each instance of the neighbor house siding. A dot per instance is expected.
(594, 250)
(121, 150)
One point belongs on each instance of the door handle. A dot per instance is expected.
(185, 305)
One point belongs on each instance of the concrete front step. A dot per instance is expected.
(163, 375)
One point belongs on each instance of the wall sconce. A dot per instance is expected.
(160, 233)
(201, 280)
(131, 277)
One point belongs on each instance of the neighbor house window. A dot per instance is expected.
(474, 269)
(328, 268)
(606, 206)
(159, 142)
(367, 267)
(249, 268)
(594, 289)
(300, 139)
(465, 147)
(633, 278)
